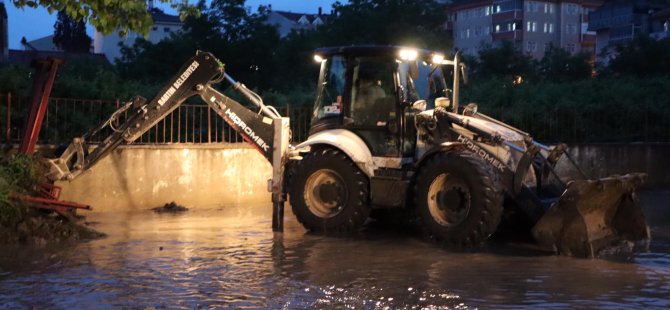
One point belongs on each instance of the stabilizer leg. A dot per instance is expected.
(278, 216)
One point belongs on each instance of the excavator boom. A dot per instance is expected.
(266, 130)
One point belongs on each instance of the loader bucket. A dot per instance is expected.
(592, 215)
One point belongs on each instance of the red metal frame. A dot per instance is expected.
(48, 200)
(44, 80)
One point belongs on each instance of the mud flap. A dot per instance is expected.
(592, 215)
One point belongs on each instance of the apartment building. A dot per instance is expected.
(619, 21)
(164, 25)
(533, 26)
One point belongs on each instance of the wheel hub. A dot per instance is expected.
(448, 200)
(329, 192)
(325, 193)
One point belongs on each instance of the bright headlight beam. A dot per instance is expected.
(318, 58)
(408, 54)
(437, 59)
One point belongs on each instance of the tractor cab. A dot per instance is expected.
(374, 92)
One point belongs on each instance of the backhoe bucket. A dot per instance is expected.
(592, 215)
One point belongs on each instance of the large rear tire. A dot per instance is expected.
(457, 198)
(328, 192)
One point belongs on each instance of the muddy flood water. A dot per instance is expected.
(228, 257)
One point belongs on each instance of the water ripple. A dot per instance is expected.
(230, 259)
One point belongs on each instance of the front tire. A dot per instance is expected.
(457, 198)
(328, 192)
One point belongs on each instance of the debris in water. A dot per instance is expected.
(171, 207)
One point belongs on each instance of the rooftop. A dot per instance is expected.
(295, 17)
(159, 16)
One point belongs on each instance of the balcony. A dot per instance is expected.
(602, 21)
(516, 35)
(507, 16)
(588, 39)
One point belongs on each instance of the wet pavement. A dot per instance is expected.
(229, 258)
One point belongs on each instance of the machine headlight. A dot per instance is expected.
(409, 54)
(438, 59)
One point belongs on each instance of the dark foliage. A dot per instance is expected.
(555, 98)
(642, 57)
(70, 35)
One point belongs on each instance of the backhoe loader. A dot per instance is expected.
(388, 131)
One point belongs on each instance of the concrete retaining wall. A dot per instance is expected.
(601, 160)
(141, 177)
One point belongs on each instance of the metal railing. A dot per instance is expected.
(197, 123)
(67, 118)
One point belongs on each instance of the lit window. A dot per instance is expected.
(497, 8)
(497, 28)
(549, 8)
(467, 33)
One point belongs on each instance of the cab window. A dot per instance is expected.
(330, 99)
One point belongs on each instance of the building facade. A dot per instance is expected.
(532, 26)
(619, 21)
(4, 33)
(164, 25)
(285, 22)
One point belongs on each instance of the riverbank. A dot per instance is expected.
(21, 224)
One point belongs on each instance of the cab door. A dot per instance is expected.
(373, 106)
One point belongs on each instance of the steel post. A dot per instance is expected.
(278, 216)
(9, 118)
(46, 74)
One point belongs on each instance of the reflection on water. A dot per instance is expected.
(229, 258)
